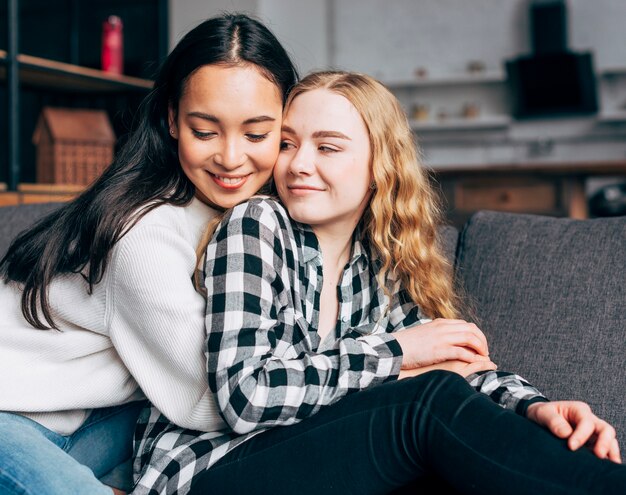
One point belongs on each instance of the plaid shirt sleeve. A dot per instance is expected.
(509, 390)
(261, 371)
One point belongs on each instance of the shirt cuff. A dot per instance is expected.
(389, 354)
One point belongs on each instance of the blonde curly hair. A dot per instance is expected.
(403, 214)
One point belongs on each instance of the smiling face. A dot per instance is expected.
(228, 132)
(323, 170)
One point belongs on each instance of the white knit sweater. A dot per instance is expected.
(143, 326)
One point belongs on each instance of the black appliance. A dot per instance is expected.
(553, 81)
(609, 201)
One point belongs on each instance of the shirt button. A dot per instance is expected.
(345, 319)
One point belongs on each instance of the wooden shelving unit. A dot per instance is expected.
(33, 82)
(43, 73)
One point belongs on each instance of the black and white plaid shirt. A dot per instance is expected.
(266, 363)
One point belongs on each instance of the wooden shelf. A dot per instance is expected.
(461, 124)
(43, 73)
(39, 193)
(489, 77)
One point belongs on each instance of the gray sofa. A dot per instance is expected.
(550, 293)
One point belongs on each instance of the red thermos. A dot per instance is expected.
(112, 45)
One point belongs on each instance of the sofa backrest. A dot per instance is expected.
(14, 219)
(448, 240)
(550, 294)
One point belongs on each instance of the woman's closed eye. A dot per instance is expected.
(203, 135)
(325, 148)
(255, 138)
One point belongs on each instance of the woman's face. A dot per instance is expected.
(228, 132)
(323, 170)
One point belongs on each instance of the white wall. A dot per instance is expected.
(186, 14)
(391, 38)
(302, 27)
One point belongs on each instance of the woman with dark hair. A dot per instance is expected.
(98, 306)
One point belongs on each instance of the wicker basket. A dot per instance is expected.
(74, 146)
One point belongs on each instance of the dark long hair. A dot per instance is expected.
(145, 173)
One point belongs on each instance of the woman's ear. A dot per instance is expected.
(171, 120)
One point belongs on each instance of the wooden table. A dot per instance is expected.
(545, 189)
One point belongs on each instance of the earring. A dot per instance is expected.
(373, 186)
(171, 131)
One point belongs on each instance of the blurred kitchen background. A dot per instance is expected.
(517, 105)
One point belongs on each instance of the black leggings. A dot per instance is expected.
(406, 437)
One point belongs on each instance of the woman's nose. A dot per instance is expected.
(231, 155)
(303, 162)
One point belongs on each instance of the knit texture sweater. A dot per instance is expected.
(142, 329)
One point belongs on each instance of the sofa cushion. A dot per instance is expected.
(550, 295)
(14, 219)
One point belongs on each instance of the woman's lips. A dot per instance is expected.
(230, 183)
(302, 190)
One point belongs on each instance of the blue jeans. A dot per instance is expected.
(37, 461)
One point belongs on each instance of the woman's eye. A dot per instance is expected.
(327, 149)
(203, 135)
(255, 138)
(285, 145)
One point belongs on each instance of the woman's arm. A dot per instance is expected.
(260, 366)
(459, 367)
(156, 321)
(441, 340)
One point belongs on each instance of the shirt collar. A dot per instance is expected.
(311, 247)
(359, 252)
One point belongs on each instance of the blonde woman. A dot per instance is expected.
(319, 303)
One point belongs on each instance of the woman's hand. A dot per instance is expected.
(461, 367)
(575, 421)
(442, 340)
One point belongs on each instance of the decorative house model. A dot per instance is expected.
(74, 146)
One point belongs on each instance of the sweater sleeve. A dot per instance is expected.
(259, 376)
(156, 322)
